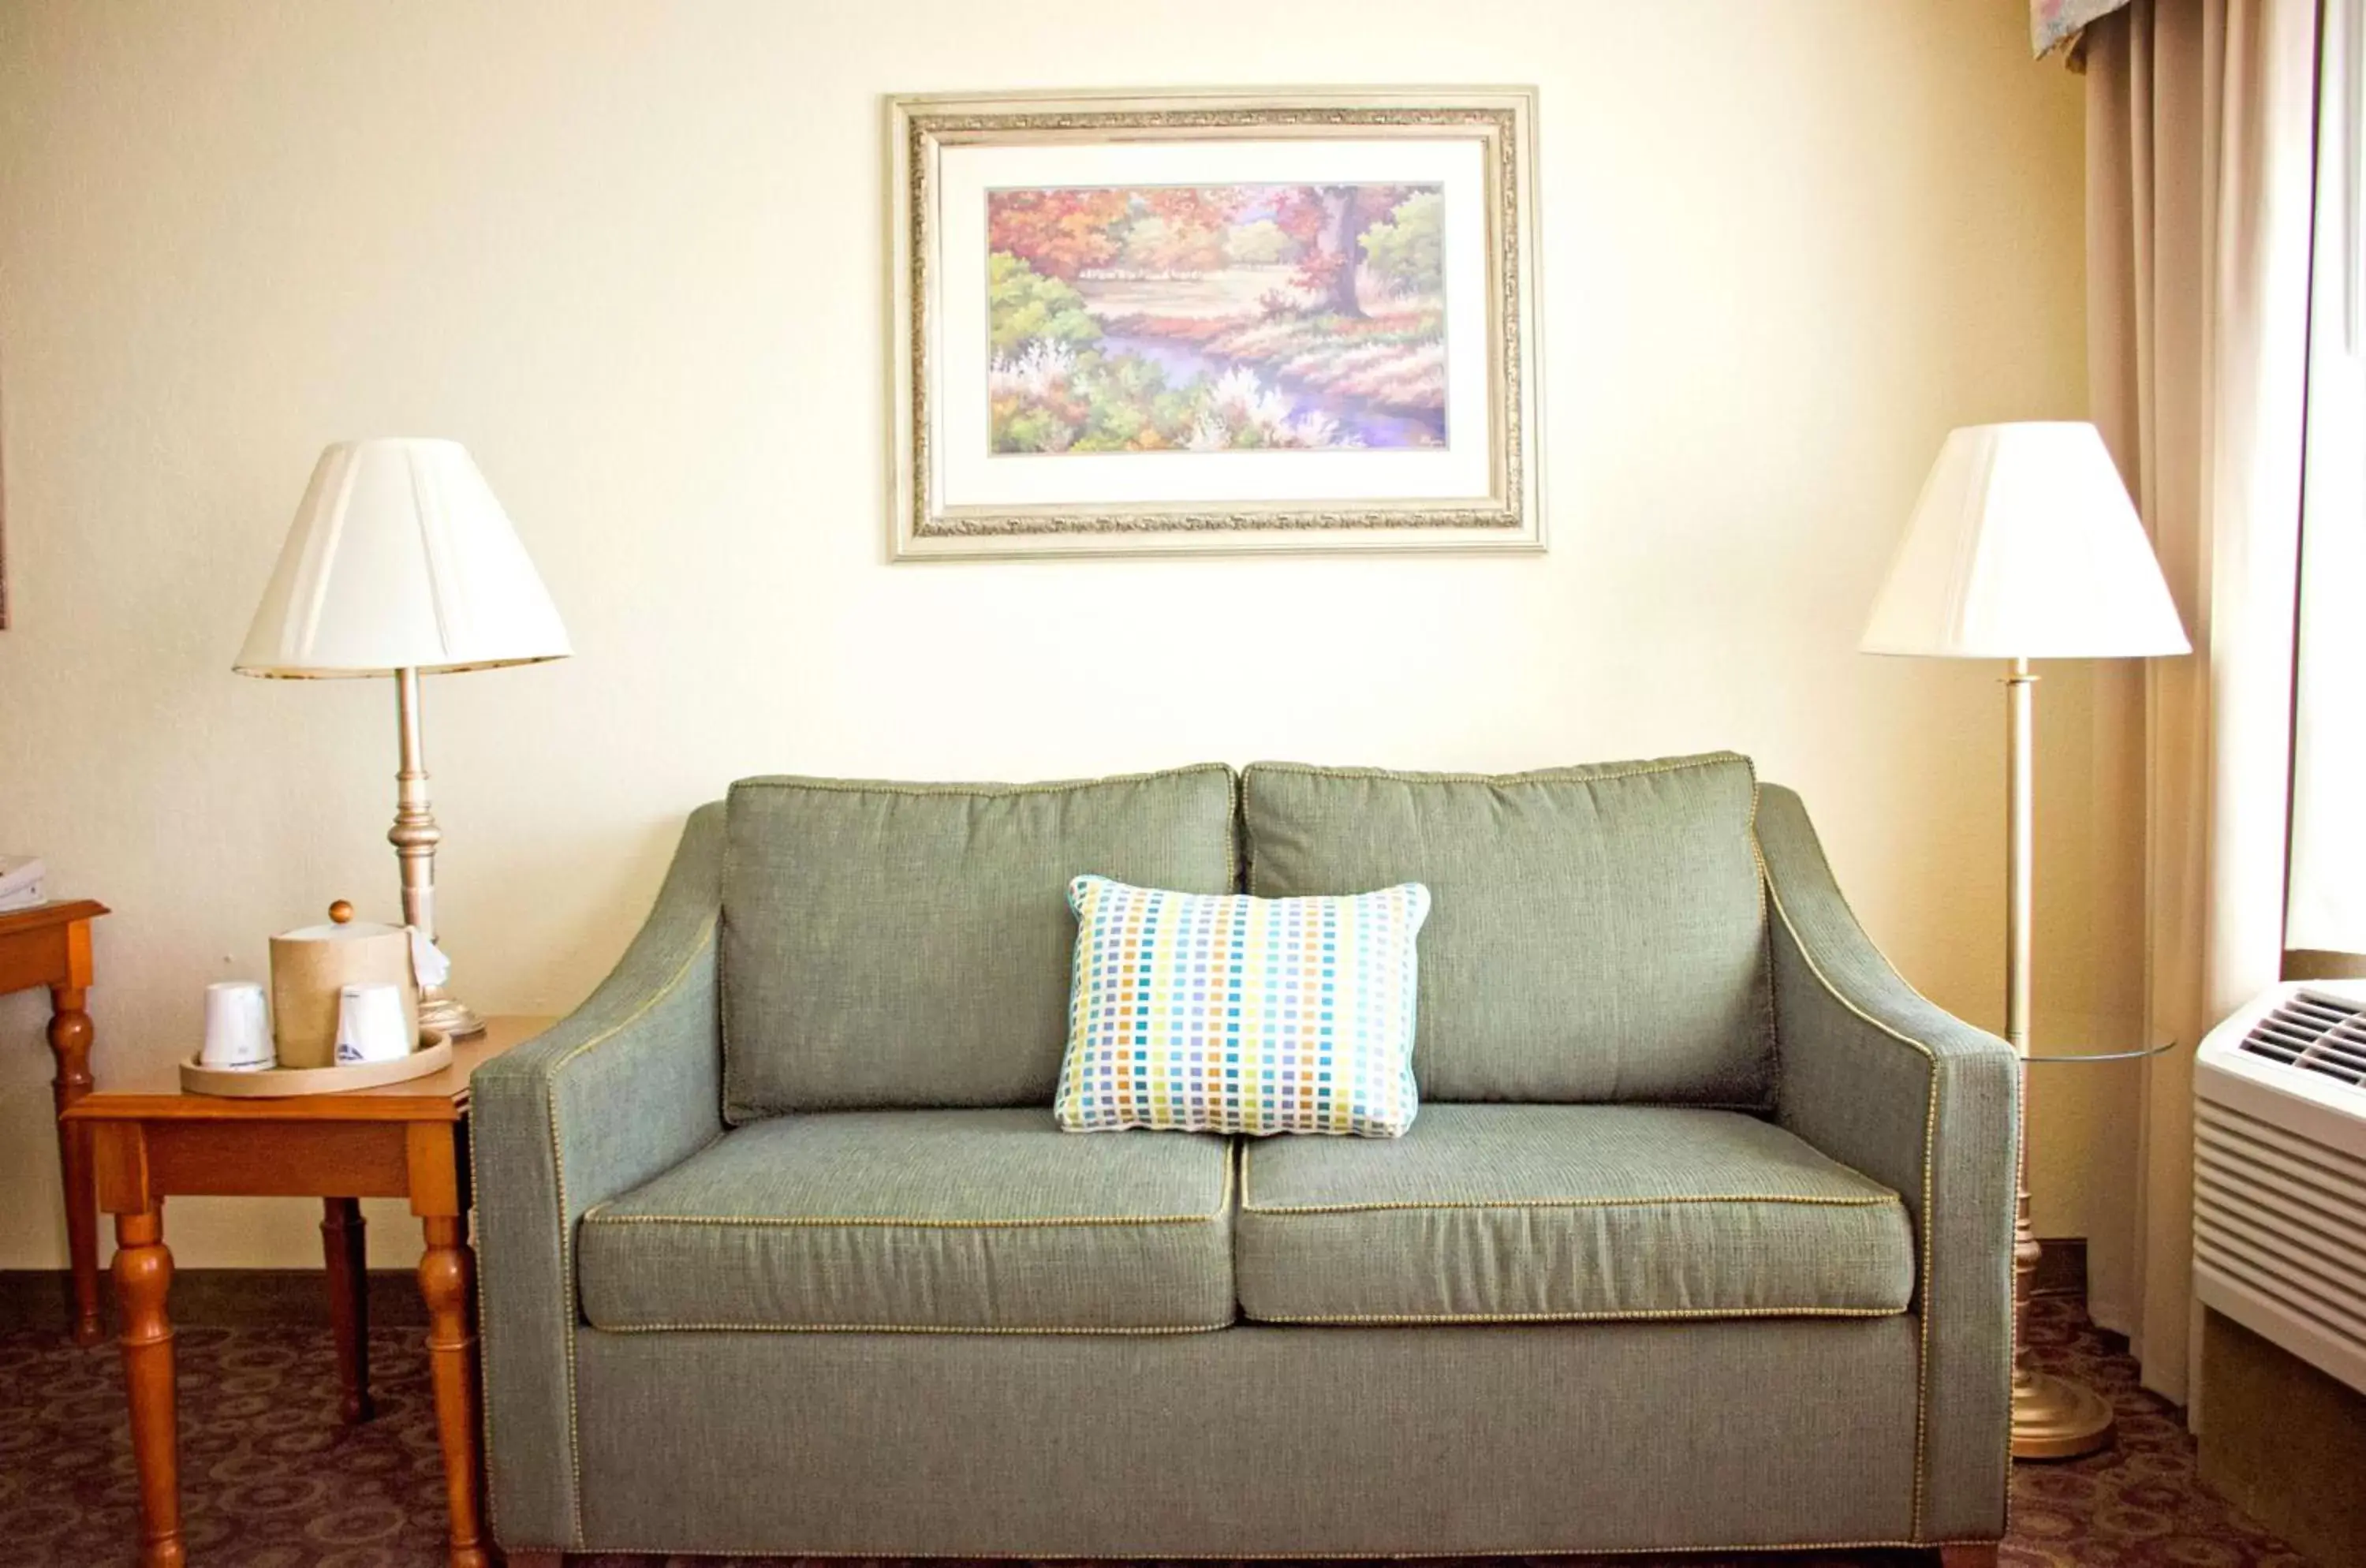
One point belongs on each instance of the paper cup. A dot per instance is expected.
(372, 1025)
(238, 1030)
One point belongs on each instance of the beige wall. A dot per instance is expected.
(632, 254)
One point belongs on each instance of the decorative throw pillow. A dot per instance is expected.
(1225, 1013)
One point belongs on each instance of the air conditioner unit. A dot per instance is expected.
(2280, 1172)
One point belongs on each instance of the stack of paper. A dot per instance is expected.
(21, 880)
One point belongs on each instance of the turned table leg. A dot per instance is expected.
(144, 1274)
(70, 1034)
(344, 1247)
(447, 1279)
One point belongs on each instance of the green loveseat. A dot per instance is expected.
(1702, 1238)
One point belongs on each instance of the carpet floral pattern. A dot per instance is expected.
(271, 1480)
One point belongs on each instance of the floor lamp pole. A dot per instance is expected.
(415, 837)
(2052, 1417)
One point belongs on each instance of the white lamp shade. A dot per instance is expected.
(2024, 545)
(400, 558)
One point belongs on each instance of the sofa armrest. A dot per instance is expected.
(1877, 1078)
(627, 1086)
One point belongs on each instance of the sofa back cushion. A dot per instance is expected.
(1595, 933)
(899, 944)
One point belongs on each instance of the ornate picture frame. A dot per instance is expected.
(1213, 322)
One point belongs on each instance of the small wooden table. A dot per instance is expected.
(49, 946)
(407, 1140)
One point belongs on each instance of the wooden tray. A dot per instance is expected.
(434, 1054)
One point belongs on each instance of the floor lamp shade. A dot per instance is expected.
(2024, 545)
(399, 558)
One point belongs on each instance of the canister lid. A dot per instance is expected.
(342, 926)
(355, 931)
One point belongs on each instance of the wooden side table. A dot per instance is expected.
(407, 1140)
(49, 946)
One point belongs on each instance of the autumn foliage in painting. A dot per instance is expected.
(1214, 318)
(1057, 232)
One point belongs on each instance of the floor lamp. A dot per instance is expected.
(400, 562)
(2025, 545)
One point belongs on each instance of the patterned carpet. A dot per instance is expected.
(271, 1480)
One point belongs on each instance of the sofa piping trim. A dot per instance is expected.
(1071, 1330)
(1687, 1199)
(1645, 1314)
(704, 945)
(878, 1556)
(1250, 1206)
(729, 1107)
(1771, 1057)
(484, 1357)
(886, 1222)
(1236, 843)
(1930, 1149)
(895, 1221)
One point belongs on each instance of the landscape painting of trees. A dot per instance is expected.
(1212, 319)
(1216, 317)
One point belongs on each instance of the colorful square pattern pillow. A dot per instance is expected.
(1208, 1013)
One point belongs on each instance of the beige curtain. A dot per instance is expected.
(2324, 913)
(2199, 118)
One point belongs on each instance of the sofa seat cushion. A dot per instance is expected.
(1510, 1213)
(978, 1221)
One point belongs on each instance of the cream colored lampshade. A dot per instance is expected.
(400, 558)
(2024, 545)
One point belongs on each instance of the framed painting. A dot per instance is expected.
(1213, 322)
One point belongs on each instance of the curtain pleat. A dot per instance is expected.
(2198, 156)
(2326, 913)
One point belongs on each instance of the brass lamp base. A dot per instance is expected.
(2056, 1418)
(449, 1015)
(415, 837)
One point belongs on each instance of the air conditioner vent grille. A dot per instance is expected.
(2313, 1033)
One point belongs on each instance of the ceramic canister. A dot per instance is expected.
(311, 965)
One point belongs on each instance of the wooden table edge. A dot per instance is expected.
(42, 916)
(412, 1101)
(104, 1106)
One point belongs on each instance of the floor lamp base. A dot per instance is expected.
(2052, 1417)
(2056, 1418)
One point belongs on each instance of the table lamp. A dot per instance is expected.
(2024, 545)
(401, 563)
